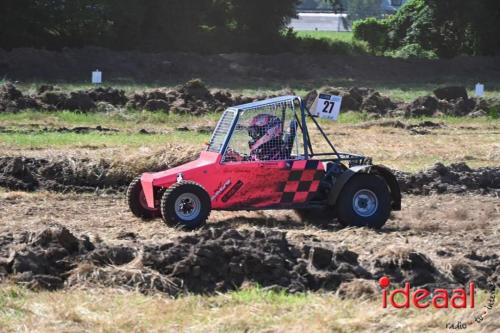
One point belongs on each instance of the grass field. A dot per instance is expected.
(249, 310)
(329, 35)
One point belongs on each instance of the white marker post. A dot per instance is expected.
(479, 90)
(97, 77)
(328, 106)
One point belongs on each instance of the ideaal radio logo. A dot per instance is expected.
(421, 298)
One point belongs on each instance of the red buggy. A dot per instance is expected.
(261, 157)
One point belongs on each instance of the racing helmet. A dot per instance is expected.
(263, 129)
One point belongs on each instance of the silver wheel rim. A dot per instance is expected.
(187, 206)
(365, 203)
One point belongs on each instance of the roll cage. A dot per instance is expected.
(229, 120)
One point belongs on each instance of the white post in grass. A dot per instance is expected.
(96, 77)
(479, 90)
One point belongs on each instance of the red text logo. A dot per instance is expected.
(421, 298)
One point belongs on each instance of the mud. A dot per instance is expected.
(218, 259)
(455, 178)
(76, 130)
(85, 175)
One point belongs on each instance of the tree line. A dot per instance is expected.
(151, 25)
(429, 28)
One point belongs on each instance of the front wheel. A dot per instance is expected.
(186, 205)
(364, 202)
(137, 201)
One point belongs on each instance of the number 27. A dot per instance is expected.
(328, 106)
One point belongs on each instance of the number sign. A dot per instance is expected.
(328, 106)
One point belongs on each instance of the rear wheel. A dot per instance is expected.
(137, 201)
(364, 202)
(186, 205)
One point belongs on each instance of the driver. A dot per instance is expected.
(266, 142)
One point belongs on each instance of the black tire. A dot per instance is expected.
(316, 216)
(364, 211)
(201, 206)
(136, 201)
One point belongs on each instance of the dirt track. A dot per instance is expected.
(444, 240)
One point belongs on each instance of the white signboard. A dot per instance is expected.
(479, 90)
(97, 77)
(328, 106)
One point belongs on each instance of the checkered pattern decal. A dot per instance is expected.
(302, 182)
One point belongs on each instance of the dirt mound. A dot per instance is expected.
(85, 175)
(13, 100)
(422, 106)
(456, 178)
(431, 106)
(216, 260)
(41, 260)
(378, 104)
(449, 101)
(62, 175)
(405, 265)
(451, 93)
(192, 97)
(195, 98)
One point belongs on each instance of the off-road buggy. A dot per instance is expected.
(261, 157)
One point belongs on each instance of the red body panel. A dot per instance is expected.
(243, 185)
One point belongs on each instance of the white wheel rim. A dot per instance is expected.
(365, 203)
(187, 206)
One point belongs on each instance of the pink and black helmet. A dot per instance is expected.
(263, 129)
(266, 132)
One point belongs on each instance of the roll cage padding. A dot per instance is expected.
(380, 170)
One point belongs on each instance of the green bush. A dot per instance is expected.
(494, 112)
(374, 32)
(312, 45)
(412, 51)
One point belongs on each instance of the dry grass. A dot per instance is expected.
(249, 310)
(474, 141)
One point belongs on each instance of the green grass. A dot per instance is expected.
(30, 135)
(97, 140)
(121, 119)
(329, 35)
(409, 92)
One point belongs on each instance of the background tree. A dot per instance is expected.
(446, 27)
(153, 25)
